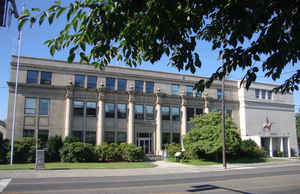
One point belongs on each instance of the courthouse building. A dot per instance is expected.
(142, 107)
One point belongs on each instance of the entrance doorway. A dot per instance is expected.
(144, 140)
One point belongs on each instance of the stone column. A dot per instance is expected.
(289, 147)
(68, 110)
(100, 118)
(158, 150)
(205, 96)
(271, 147)
(183, 127)
(130, 124)
(281, 145)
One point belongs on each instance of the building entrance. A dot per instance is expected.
(144, 140)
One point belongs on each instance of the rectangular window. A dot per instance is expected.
(122, 111)
(109, 110)
(79, 81)
(44, 106)
(109, 136)
(91, 109)
(139, 112)
(270, 95)
(122, 84)
(165, 111)
(46, 78)
(219, 94)
(139, 86)
(190, 113)
(28, 133)
(199, 111)
(149, 87)
(229, 113)
(176, 138)
(189, 90)
(149, 112)
(78, 134)
(110, 83)
(175, 113)
(166, 139)
(92, 82)
(263, 94)
(32, 77)
(90, 137)
(257, 93)
(43, 137)
(175, 89)
(78, 108)
(30, 106)
(121, 137)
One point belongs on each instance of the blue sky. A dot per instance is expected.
(32, 45)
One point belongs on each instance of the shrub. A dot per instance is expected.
(71, 139)
(77, 152)
(108, 152)
(4, 150)
(249, 149)
(53, 146)
(172, 149)
(278, 153)
(24, 150)
(131, 153)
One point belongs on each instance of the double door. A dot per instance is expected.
(146, 144)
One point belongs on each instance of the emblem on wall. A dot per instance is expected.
(268, 125)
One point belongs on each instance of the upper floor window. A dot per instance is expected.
(121, 109)
(122, 84)
(44, 106)
(46, 78)
(149, 112)
(165, 113)
(219, 94)
(149, 87)
(109, 110)
(199, 111)
(229, 113)
(109, 136)
(270, 95)
(139, 86)
(92, 82)
(175, 89)
(190, 113)
(139, 112)
(79, 81)
(32, 77)
(28, 133)
(91, 109)
(30, 106)
(110, 83)
(257, 93)
(263, 94)
(189, 90)
(78, 108)
(175, 113)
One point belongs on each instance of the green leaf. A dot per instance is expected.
(35, 9)
(52, 50)
(32, 21)
(21, 23)
(71, 57)
(42, 18)
(82, 46)
(60, 12)
(50, 18)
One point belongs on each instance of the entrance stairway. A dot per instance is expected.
(152, 157)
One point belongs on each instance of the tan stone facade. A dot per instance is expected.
(146, 108)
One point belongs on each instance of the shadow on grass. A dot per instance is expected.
(206, 187)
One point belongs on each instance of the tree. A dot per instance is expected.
(253, 35)
(205, 138)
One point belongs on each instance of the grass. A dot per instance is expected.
(64, 166)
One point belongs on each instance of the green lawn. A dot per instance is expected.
(99, 165)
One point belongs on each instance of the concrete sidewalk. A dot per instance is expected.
(162, 168)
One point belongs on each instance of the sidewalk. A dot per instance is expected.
(162, 168)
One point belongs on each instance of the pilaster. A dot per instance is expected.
(100, 117)
(130, 123)
(68, 110)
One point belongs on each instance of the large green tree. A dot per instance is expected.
(252, 35)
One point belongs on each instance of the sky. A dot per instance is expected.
(32, 45)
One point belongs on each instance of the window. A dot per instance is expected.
(92, 82)
(28, 133)
(110, 83)
(90, 137)
(263, 94)
(219, 94)
(166, 139)
(270, 95)
(229, 113)
(139, 112)
(78, 108)
(190, 113)
(121, 137)
(199, 111)
(30, 106)
(46, 78)
(44, 106)
(109, 110)
(175, 113)
(78, 134)
(175, 89)
(165, 113)
(109, 136)
(43, 137)
(149, 112)
(257, 93)
(91, 108)
(32, 77)
(149, 87)
(189, 90)
(122, 112)
(139, 86)
(122, 84)
(176, 138)
(79, 81)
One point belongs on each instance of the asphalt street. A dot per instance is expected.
(258, 180)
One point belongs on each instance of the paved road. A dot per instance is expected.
(255, 180)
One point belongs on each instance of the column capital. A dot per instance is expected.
(69, 91)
